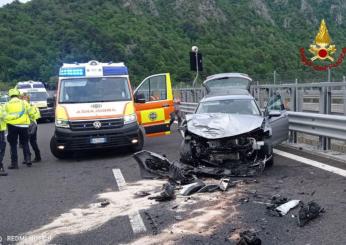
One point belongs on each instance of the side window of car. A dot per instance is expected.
(275, 104)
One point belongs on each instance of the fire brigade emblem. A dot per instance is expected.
(322, 50)
(152, 116)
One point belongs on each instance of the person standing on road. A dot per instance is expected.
(18, 127)
(34, 115)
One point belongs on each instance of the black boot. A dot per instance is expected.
(2, 171)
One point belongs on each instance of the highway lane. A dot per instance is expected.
(59, 201)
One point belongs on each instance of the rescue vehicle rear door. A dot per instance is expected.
(154, 104)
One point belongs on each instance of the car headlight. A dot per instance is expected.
(130, 118)
(62, 123)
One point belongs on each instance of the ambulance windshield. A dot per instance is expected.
(90, 90)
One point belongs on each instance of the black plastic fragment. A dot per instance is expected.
(249, 238)
(308, 212)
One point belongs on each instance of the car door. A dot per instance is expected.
(154, 104)
(278, 119)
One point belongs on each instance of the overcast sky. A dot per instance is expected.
(3, 2)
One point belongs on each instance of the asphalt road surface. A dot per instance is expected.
(58, 202)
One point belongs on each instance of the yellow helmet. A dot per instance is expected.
(13, 92)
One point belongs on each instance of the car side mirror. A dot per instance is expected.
(139, 98)
(274, 114)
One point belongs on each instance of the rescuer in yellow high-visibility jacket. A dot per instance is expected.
(4, 117)
(2, 139)
(34, 114)
(18, 127)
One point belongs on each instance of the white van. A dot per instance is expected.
(38, 97)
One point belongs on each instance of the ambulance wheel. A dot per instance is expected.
(140, 144)
(60, 154)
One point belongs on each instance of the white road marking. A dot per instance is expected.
(313, 163)
(136, 220)
(119, 178)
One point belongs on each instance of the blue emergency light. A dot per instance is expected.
(113, 71)
(72, 72)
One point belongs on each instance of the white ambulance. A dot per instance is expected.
(95, 108)
(38, 97)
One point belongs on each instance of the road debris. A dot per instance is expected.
(225, 183)
(188, 190)
(153, 166)
(209, 188)
(286, 207)
(166, 194)
(308, 212)
(178, 217)
(104, 203)
(142, 194)
(275, 202)
(249, 238)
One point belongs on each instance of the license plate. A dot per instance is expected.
(98, 140)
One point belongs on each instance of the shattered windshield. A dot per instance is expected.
(90, 90)
(231, 106)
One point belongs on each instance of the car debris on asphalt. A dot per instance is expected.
(286, 207)
(309, 212)
(142, 194)
(189, 189)
(249, 238)
(104, 203)
(166, 194)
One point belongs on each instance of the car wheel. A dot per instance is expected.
(140, 144)
(60, 154)
(186, 152)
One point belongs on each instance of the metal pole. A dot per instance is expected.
(274, 77)
(329, 75)
(194, 81)
(195, 49)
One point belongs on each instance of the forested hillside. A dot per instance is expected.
(153, 36)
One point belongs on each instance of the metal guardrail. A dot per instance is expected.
(330, 126)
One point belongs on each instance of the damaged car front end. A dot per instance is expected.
(240, 143)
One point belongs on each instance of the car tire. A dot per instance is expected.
(60, 154)
(186, 152)
(140, 144)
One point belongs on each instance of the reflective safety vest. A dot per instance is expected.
(5, 117)
(34, 113)
(18, 112)
(3, 124)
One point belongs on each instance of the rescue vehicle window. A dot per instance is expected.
(154, 88)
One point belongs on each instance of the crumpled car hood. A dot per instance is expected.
(221, 125)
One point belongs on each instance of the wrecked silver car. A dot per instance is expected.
(229, 130)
